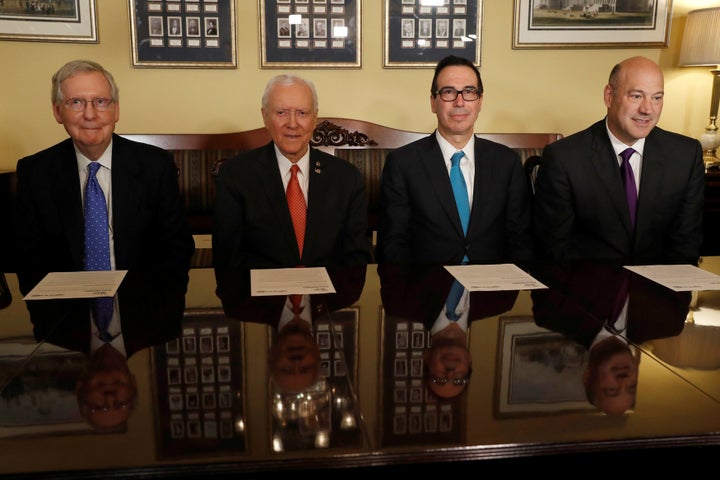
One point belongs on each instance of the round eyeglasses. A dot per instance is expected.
(100, 104)
(449, 94)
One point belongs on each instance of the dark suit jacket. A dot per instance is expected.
(580, 205)
(582, 295)
(149, 224)
(151, 313)
(419, 293)
(253, 228)
(419, 219)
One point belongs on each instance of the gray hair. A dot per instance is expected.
(287, 80)
(74, 67)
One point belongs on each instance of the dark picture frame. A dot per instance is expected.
(418, 36)
(190, 34)
(577, 25)
(72, 22)
(199, 387)
(326, 35)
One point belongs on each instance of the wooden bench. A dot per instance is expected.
(200, 156)
(364, 144)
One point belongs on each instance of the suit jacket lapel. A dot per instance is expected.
(650, 179)
(606, 166)
(67, 194)
(318, 186)
(273, 187)
(126, 197)
(433, 164)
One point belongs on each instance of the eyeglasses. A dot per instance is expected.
(123, 405)
(444, 380)
(100, 104)
(449, 94)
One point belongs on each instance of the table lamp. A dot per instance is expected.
(701, 47)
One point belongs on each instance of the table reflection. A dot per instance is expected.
(207, 399)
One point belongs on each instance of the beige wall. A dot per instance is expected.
(557, 90)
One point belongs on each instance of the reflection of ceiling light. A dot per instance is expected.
(322, 439)
(295, 19)
(240, 424)
(473, 36)
(422, 42)
(466, 39)
(340, 31)
(277, 444)
(432, 3)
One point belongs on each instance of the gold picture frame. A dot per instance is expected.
(577, 25)
(73, 22)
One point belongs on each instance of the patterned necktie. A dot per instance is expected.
(97, 245)
(456, 291)
(629, 181)
(298, 209)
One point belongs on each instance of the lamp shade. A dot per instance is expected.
(701, 40)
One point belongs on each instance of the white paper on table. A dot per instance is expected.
(83, 284)
(506, 276)
(290, 281)
(681, 278)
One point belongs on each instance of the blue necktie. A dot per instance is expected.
(460, 191)
(456, 291)
(97, 245)
(629, 181)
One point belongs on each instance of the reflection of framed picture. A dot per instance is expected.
(196, 388)
(27, 409)
(419, 35)
(74, 21)
(198, 35)
(295, 34)
(539, 371)
(592, 24)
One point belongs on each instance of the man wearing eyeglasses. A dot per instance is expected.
(146, 223)
(421, 218)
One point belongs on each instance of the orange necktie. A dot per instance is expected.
(298, 210)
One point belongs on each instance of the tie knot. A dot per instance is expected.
(294, 170)
(457, 156)
(626, 154)
(93, 167)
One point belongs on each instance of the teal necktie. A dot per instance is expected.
(460, 191)
(456, 291)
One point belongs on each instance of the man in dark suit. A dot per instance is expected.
(253, 223)
(581, 209)
(419, 219)
(148, 229)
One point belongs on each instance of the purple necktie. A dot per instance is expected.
(629, 181)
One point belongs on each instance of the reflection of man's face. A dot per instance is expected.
(612, 381)
(447, 360)
(295, 358)
(106, 396)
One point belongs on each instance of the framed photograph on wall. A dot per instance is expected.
(418, 34)
(583, 24)
(538, 371)
(197, 34)
(72, 21)
(303, 34)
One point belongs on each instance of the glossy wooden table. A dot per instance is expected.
(388, 421)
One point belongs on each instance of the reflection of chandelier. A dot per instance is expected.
(305, 419)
